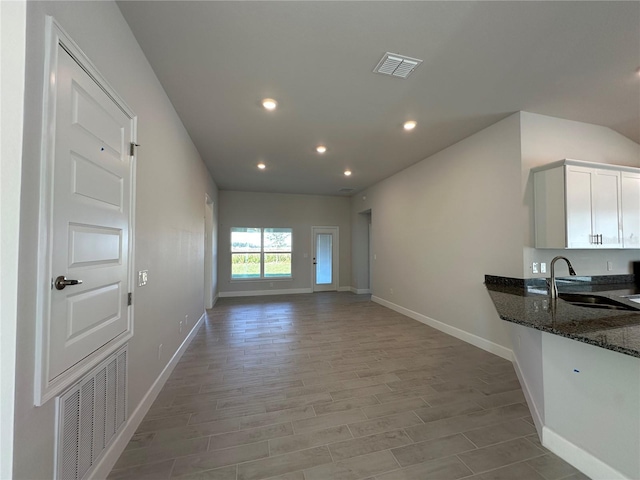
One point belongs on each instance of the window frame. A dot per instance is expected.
(262, 254)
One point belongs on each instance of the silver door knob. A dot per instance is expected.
(62, 282)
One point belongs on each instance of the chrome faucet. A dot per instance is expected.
(553, 288)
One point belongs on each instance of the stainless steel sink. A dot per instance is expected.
(594, 301)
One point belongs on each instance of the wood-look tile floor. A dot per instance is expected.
(332, 386)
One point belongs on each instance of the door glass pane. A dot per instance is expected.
(277, 265)
(245, 265)
(324, 263)
(245, 239)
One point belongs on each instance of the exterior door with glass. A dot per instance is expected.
(325, 259)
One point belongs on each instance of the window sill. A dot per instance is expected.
(261, 280)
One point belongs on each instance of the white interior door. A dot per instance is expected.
(90, 220)
(325, 259)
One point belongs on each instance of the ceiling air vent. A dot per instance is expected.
(397, 65)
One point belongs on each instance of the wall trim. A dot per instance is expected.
(110, 456)
(344, 289)
(359, 291)
(215, 300)
(463, 335)
(533, 408)
(259, 293)
(591, 466)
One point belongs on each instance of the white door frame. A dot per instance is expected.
(370, 255)
(44, 387)
(208, 252)
(335, 256)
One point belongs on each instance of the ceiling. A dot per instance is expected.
(482, 61)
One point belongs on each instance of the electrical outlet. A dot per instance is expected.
(180, 326)
(159, 351)
(609, 266)
(534, 267)
(543, 267)
(186, 320)
(391, 291)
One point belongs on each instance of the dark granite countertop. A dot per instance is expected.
(526, 302)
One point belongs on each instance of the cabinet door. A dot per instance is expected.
(631, 209)
(579, 207)
(607, 223)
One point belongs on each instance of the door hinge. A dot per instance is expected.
(132, 148)
(129, 299)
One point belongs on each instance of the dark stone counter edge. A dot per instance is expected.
(608, 346)
(542, 282)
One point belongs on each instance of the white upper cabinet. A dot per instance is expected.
(631, 209)
(586, 205)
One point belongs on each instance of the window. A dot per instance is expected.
(260, 253)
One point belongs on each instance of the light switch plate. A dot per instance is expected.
(143, 276)
(543, 267)
(534, 267)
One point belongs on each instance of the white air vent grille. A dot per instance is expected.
(89, 416)
(397, 65)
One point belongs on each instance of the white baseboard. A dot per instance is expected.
(448, 329)
(215, 300)
(344, 289)
(359, 291)
(579, 458)
(259, 293)
(111, 455)
(533, 408)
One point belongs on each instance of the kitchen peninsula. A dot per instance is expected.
(526, 302)
(579, 368)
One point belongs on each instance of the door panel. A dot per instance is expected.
(97, 118)
(90, 310)
(94, 246)
(96, 183)
(631, 209)
(90, 221)
(325, 258)
(606, 207)
(579, 208)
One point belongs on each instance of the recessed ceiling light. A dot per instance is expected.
(262, 166)
(321, 149)
(347, 172)
(269, 103)
(410, 125)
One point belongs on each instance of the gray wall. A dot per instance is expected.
(300, 212)
(169, 230)
(441, 225)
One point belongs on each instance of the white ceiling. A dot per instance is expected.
(482, 61)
